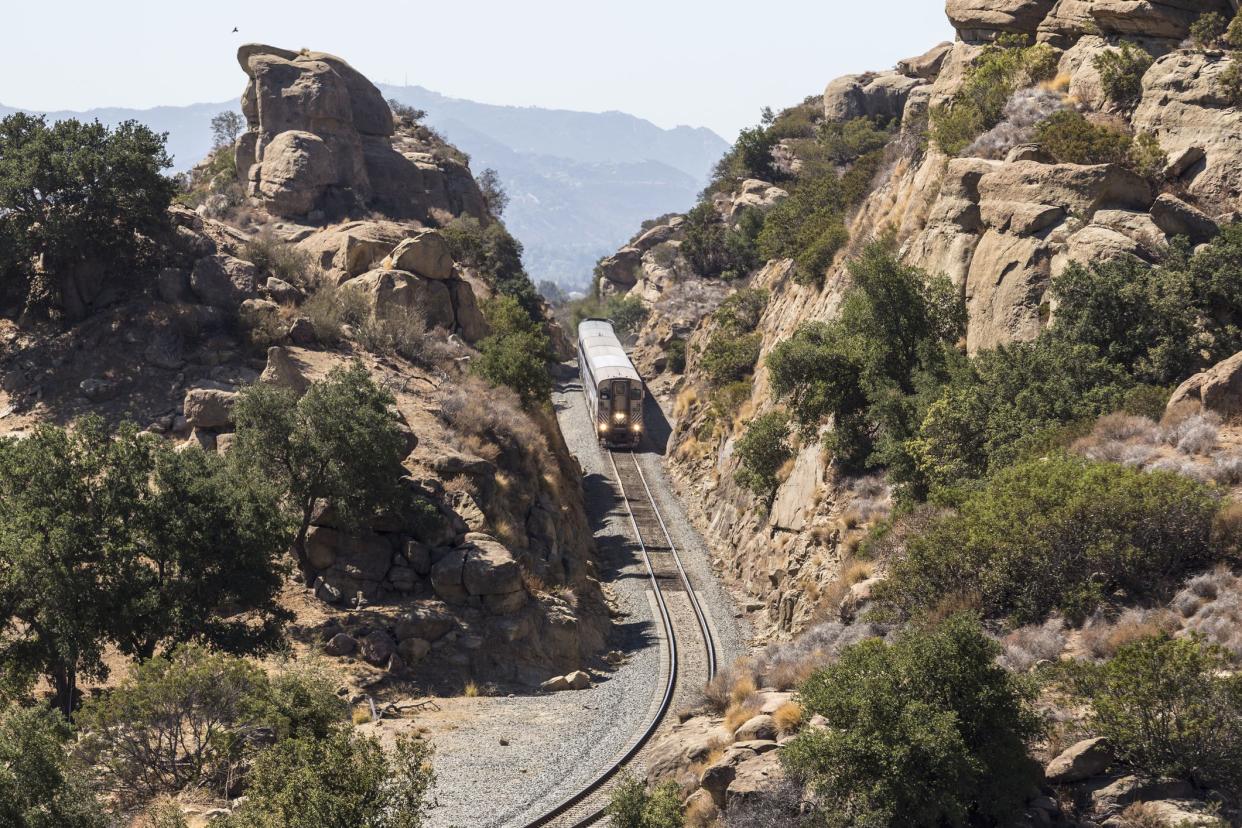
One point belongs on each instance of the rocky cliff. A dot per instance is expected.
(1001, 219)
(285, 285)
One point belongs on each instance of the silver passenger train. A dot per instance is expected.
(614, 390)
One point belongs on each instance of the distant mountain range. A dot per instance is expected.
(580, 183)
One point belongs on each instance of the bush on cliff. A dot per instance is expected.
(40, 786)
(762, 451)
(1057, 533)
(516, 352)
(926, 731)
(1001, 69)
(869, 370)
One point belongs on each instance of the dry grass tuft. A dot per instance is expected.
(788, 717)
(361, 714)
(739, 714)
(502, 422)
(1103, 638)
(1027, 646)
(701, 812)
(471, 690)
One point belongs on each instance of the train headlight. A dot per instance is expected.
(603, 428)
(637, 427)
(619, 417)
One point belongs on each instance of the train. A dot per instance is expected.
(614, 390)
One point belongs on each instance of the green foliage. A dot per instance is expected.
(497, 257)
(285, 261)
(1208, 30)
(1230, 80)
(927, 731)
(85, 198)
(845, 142)
(1121, 72)
(1000, 70)
(1007, 402)
(869, 369)
(341, 781)
(728, 357)
(1160, 323)
(632, 806)
(338, 443)
(1057, 533)
(740, 311)
(145, 544)
(194, 718)
(1070, 138)
(762, 451)
(1233, 35)
(1170, 708)
(1147, 157)
(493, 190)
(626, 312)
(676, 354)
(225, 127)
(40, 787)
(713, 248)
(516, 352)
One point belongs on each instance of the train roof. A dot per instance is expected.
(608, 360)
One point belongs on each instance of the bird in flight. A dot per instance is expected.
(234, 29)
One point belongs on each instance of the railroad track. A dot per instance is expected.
(690, 650)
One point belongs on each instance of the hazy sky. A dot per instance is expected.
(701, 62)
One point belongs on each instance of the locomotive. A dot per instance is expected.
(613, 388)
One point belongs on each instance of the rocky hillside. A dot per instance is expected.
(1001, 217)
(322, 248)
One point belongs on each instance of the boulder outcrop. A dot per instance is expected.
(983, 20)
(320, 143)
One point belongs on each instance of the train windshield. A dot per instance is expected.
(636, 394)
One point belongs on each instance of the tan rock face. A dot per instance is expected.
(1184, 107)
(321, 141)
(983, 20)
(1167, 20)
(871, 96)
(1218, 389)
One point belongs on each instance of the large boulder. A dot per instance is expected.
(1185, 106)
(982, 20)
(1008, 278)
(388, 293)
(881, 96)
(927, 65)
(283, 371)
(223, 281)
(351, 249)
(209, 405)
(1010, 191)
(1083, 760)
(296, 170)
(426, 253)
(1218, 389)
(321, 142)
(489, 567)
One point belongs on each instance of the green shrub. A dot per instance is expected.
(1233, 35)
(762, 451)
(846, 142)
(626, 312)
(330, 309)
(676, 354)
(1070, 138)
(728, 357)
(1147, 157)
(713, 248)
(1057, 533)
(1009, 402)
(40, 786)
(867, 370)
(1170, 708)
(284, 261)
(516, 352)
(497, 257)
(1208, 30)
(1000, 70)
(1121, 73)
(341, 780)
(927, 731)
(631, 805)
(1230, 80)
(1161, 323)
(740, 312)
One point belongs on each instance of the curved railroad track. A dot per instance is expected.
(690, 649)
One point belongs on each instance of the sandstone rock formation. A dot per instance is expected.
(320, 142)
